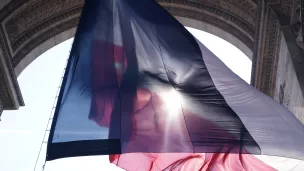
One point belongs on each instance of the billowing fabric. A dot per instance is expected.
(138, 82)
(189, 162)
(276, 130)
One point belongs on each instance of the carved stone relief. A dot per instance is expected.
(4, 93)
(284, 98)
(302, 20)
(286, 6)
(244, 9)
(299, 39)
(297, 24)
(281, 93)
(245, 38)
(8, 90)
(43, 37)
(225, 9)
(269, 56)
(38, 16)
(1, 109)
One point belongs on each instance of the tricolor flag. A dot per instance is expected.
(140, 88)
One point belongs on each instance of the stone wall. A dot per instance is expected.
(287, 87)
(1, 107)
(3, 3)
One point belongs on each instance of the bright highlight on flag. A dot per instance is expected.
(172, 100)
(125, 48)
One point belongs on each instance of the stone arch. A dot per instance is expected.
(217, 32)
(43, 47)
(57, 39)
(31, 27)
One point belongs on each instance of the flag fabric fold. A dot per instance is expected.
(139, 84)
(189, 162)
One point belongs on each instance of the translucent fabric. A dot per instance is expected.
(189, 162)
(138, 82)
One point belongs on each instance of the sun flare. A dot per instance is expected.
(172, 100)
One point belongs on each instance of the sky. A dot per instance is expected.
(21, 131)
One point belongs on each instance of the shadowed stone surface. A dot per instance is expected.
(287, 85)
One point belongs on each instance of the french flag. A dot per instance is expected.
(140, 88)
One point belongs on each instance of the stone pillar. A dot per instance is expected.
(293, 34)
(259, 25)
(266, 48)
(302, 21)
(1, 109)
(10, 95)
(289, 81)
(298, 23)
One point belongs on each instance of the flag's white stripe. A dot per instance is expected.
(274, 128)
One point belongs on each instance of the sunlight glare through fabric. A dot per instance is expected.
(172, 100)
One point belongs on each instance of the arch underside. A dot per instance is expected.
(22, 37)
(30, 27)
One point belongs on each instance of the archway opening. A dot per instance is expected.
(232, 56)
